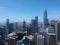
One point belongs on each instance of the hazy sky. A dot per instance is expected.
(18, 10)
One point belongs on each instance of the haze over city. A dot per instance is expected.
(19, 10)
(29, 22)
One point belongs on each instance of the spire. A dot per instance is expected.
(45, 13)
(45, 19)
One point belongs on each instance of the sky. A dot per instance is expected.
(19, 10)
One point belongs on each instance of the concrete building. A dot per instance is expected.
(40, 40)
(50, 29)
(11, 41)
(51, 36)
(51, 39)
(57, 31)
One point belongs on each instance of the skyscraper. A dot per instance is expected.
(51, 39)
(43, 32)
(45, 20)
(7, 26)
(24, 26)
(2, 32)
(57, 31)
(36, 18)
(52, 23)
(11, 27)
(34, 23)
(40, 40)
(16, 26)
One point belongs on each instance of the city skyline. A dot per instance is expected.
(29, 22)
(19, 10)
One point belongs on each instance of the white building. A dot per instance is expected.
(49, 30)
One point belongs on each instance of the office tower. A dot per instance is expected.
(40, 40)
(43, 32)
(35, 38)
(2, 32)
(52, 24)
(57, 31)
(51, 39)
(40, 26)
(7, 26)
(51, 36)
(30, 40)
(50, 29)
(24, 26)
(1, 41)
(16, 26)
(45, 19)
(11, 41)
(11, 27)
(34, 24)
(29, 30)
(20, 28)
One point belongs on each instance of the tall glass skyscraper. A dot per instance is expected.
(24, 26)
(7, 26)
(34, 23)
(11, 27)
(45, 20)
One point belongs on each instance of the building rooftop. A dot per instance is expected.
(40, 36)
(30, 37)
(51, 34)
(42, 30)
(11, 34)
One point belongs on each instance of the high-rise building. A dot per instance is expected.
(34, 24)
(57, 31)
(11, 27)
(16, 26)
(7, 26)
(36, 18)
(52, 24)
(35, 39)
(45, 20)
(11, 41)
(40, 40)
(2, 32)
(24, 26)
(50, 29)
(1, 42)
(51, 39)
(43, 32)
(51, 36)
(29, 30)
